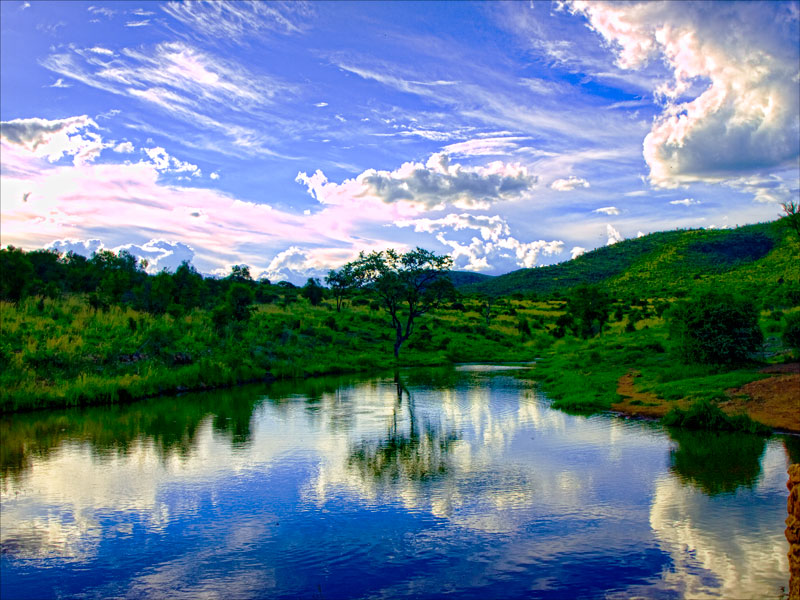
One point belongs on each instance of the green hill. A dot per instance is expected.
(759, 259)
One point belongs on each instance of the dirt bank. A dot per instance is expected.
(774, 401)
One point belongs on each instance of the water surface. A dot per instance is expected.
(427, 483)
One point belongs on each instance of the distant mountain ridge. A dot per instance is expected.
(761, 256)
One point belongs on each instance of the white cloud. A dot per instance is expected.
(613, 235)
(434, 184)
(164, 162)
(59, 83)
(237, 20)
(101, 50)
(189, 84)
(124, 148)
(607, 210)
(577, 251)
(490, 228)
(82, 247)
(484, 146)
(294, 264)
(214, 175)
(53, 139)
(140, 23)
(495, 238)
(160, 254)
(685, 202)
(565, 185)
(102, 10)
(321, 104)
(770, 189)
(733, 105)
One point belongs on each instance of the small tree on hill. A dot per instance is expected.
(715, 328)
(407, 285)
(341, 282)
(588, 310)
(313, 291)
(791, 215)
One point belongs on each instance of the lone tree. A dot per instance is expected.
(588, 310)
(791, 212)
(341, 283)
(407, 285)
(715, 328)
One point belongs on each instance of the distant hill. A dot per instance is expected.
(759, 257)
(462, 278)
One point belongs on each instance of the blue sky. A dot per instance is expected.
(289, 137)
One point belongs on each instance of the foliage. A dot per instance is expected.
(791, 331)
(407, 285)
(313, 291)
(588, 310)
(341, 283)
(704, 414)
(715, 328)
(761, 259)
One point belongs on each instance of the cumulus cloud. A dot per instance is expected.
(685, 202)
(124, 148)
(434, 184)
(613, 235)
(491, 228)
(82, 247)
(733, 105)
(160, 254)
(214, 175)
(294, 264)
(607, 210)
(494, 241)
(166, 163)
(54, 139)
(565, 185)
(577, 251)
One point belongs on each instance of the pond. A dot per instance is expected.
(424, 483)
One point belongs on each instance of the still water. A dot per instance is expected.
(426, 483)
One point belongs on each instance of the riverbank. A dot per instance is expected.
(63, 352)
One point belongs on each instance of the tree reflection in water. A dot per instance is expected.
(171, 424)
(716, 462)
(417, 450)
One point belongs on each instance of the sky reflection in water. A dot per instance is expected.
(433, 482)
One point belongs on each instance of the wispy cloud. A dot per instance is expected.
(607, 210)
(187, 83)
(236, 21)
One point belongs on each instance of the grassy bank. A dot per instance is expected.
(63, 352)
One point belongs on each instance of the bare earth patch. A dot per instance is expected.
(774, 401)
(640, 404)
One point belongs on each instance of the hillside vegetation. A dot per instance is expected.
(761, 259)
(78, 331)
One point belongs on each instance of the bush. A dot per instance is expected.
(715, 328)
(791, 331)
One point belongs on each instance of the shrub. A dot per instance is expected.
(791, 331)
(715, 328)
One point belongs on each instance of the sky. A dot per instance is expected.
(292, 136)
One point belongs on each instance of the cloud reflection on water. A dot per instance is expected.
(494, 475)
